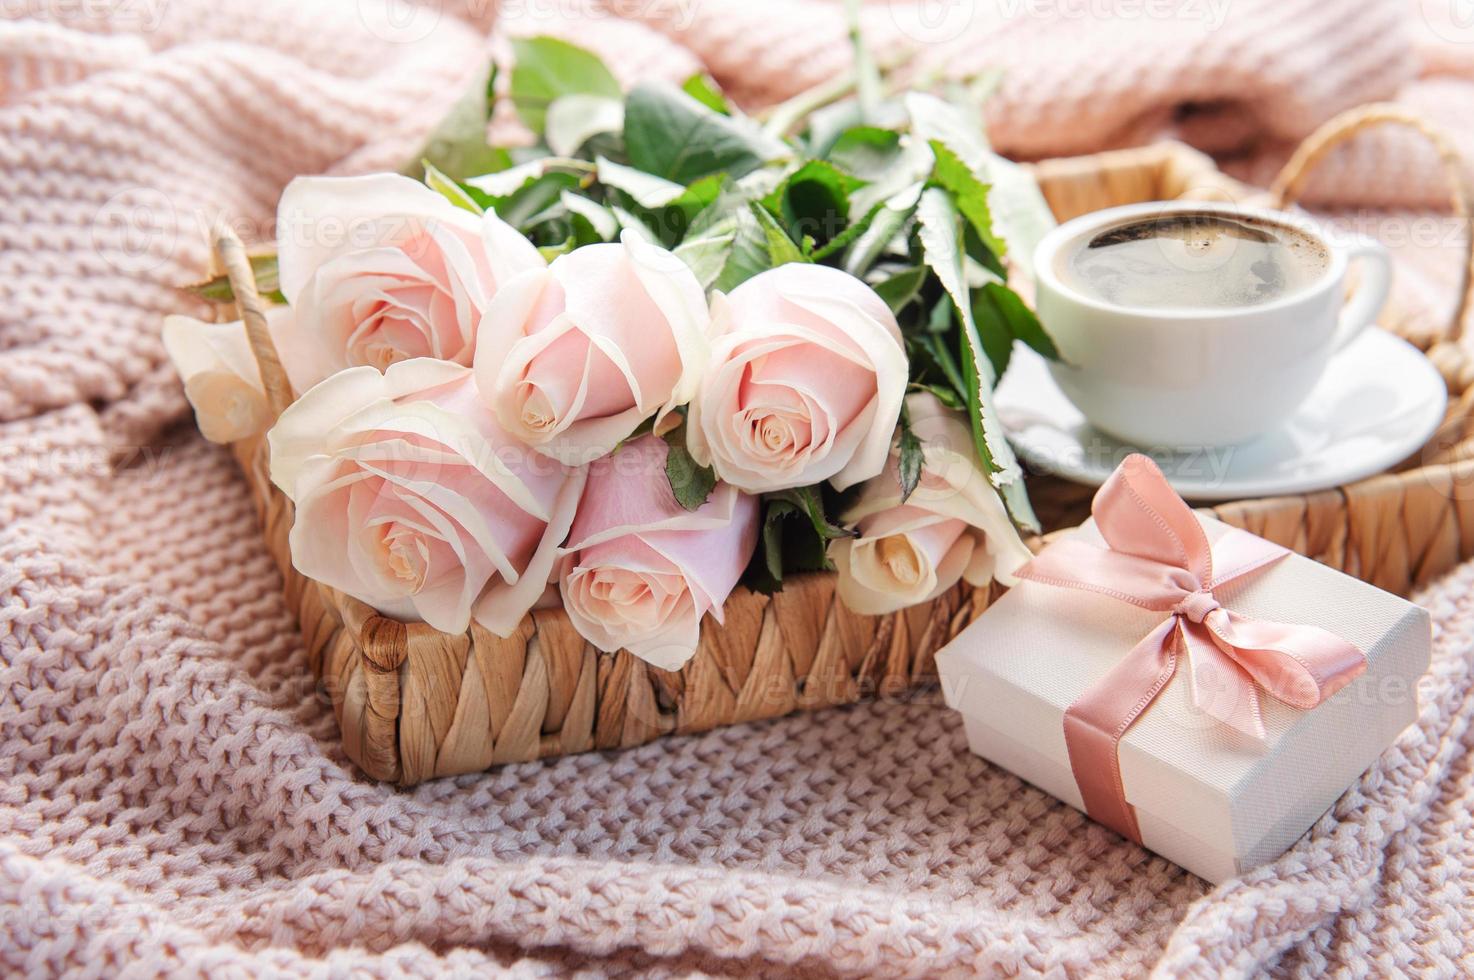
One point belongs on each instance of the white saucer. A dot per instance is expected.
(1379, 401)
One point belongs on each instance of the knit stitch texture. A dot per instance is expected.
(172, 797)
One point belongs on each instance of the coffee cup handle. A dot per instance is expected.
(1372, 288)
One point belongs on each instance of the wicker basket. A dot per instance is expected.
(414, 703)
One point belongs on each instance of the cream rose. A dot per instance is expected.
(573, 358)
(639, 571)
(804, 384)
(411, 498)
(953, 526)
(221, 378)
(381, 269)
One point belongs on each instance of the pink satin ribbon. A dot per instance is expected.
(1159, 558)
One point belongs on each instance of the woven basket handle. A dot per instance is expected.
(231, 255)
(1292, 178)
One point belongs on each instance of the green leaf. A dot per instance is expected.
(936, 354)
(946, 394)
(457, 145)
(551, 252)
(970, 194)
(726, 231)
(765, 569)
(645, 189)
(911, 459)
(941, 244)
(450, 190)
(573, 120)
(912, 167)
(691, 483)
(972, 389)
(664, 206)
(546, 69)
(984, 421)
(795, 536)
(992, 331)
(900, 289)
(813, 200)
(672, 135)
(628, 219)
(773, 517)
(704, 89)
(1021, 321)
(263, 267)
(847, 237)
(824, 126)
(487, 189)
(749, 254)
(781, 248)
(601, 221)
(866, 151)
(523, 207)
(707, 254)
(885, 226)
(1016, 499)
(810, 502)
(1019, 214)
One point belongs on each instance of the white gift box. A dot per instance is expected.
(1207, 797)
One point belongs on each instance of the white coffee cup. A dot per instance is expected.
(1198, 377)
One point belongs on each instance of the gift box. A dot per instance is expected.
(1211, 713)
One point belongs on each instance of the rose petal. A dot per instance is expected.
(320, 218)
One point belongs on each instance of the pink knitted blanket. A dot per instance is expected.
(172, 797)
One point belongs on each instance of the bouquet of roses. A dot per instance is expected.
(668, 349)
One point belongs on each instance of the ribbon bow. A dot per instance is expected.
(1158, 557)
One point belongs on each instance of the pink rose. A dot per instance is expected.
(573, 358)
(412, 499)
(639, 571)
(804, 383)
(953, 525)
(221, 378)
(380, 269)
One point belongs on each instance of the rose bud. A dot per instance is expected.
(412, 499)
(573, 358)
(380, 269)
(639, 571)
(804, 383)
(221, 378)
(953, 526)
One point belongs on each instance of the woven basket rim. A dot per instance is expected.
(409, 699)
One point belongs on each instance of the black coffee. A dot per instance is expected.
(1195, 260)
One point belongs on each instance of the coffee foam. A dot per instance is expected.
(1194, 260)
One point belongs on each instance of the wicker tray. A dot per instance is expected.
(414, 703)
